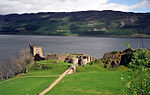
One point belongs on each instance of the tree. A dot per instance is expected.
(16, 65)
(4, 70)
(24, 61)
(137, 81)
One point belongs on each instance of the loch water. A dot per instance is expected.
(10, 45)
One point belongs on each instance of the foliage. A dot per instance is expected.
(140, 59)
(97, 61)
(119, 68)
(23, 63)
(88, 23)
(16, 65)
(114, 52)
(126, 44)
(137, 81)
(4, 70)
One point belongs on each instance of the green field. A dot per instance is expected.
(50, 68)
(34, 81)
(89, 80)
(22, 86)
(90, 83)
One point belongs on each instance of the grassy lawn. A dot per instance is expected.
(22, 86)
(50, 67)
(89, 83)
(34, 81)
(91, 80)
(53, 69)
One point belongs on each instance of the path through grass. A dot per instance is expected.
(90, 80)
(34, 81)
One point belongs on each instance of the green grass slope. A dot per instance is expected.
(35, 81)
(90, 80)
(24, 85)
(89, 83)
(51, 67)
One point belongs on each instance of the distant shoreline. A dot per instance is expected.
(109, 36)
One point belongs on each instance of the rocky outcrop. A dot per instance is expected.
(116, 58)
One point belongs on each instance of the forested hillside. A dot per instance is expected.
(84, 23)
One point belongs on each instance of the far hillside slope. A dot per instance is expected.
(83, 23)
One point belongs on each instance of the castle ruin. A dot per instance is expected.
(75, 58)
(35, 50)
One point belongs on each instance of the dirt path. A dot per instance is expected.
(10, 79)
(26, 76)
(55, 82)
(43, 76)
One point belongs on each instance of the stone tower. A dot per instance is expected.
(34, 50)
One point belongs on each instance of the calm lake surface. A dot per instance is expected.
(10, 45)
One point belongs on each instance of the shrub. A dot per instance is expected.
(97, 61)
(23, 63)
(137, 81)
(15, 66)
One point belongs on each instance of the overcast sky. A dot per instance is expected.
(34, 6)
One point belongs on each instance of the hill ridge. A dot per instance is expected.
(81, 23)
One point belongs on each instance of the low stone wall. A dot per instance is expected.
(62, 58)
(80, 59)
(51, 57)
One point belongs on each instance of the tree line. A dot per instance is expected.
(16, 65)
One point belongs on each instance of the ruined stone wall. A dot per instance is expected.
(75, 61)
(62, 58)
(92, 59)
(88, 59)
(83, 62)
(79, 54)
(51, 57)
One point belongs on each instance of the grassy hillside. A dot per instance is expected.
(86, 23)
(35, 81)
(24, 85)
(89, 83)
(90, 80)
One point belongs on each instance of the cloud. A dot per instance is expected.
(34, 6)
(141, 4)
(124, 7)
